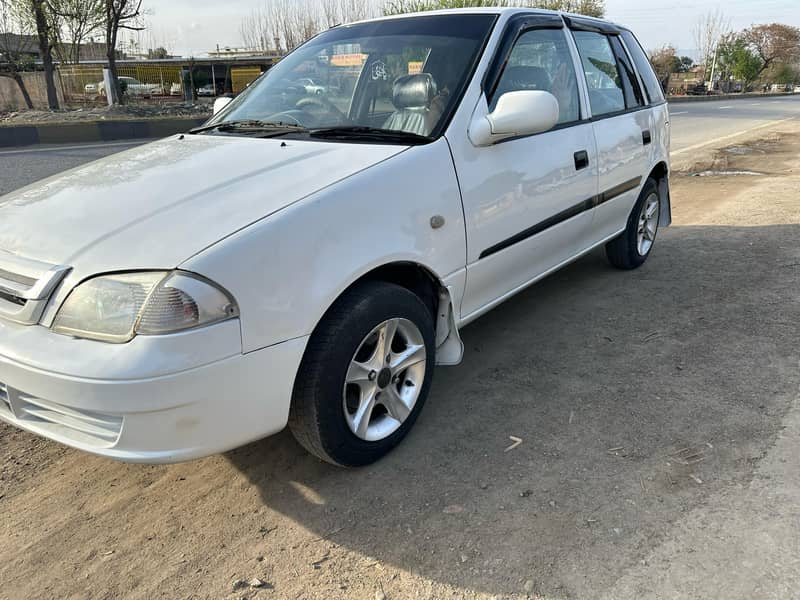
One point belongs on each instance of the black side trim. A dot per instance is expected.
(618, 190)
(564, 215)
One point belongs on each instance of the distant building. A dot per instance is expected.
(231, 52)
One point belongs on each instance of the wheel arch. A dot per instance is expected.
(426, 285)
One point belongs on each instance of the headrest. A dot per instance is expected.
(414, 91)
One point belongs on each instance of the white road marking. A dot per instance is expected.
(755, 104)
(724, 107)
(29, 149)
(683, 112)
(731, 136)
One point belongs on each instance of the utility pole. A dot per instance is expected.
(714, 65)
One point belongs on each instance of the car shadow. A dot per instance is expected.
(626, 389)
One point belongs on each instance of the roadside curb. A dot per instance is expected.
(715, 97)
(94, 131)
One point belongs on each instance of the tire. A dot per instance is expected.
(326, 402)
(628, 250)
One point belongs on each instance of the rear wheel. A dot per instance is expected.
(631, 249)
(365, 375)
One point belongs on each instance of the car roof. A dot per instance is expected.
(502, 11)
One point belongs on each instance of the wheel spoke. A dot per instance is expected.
(407, 358)
(364, 413)
(384, 347)
(358, 373)
(394, 404)
(651, 210)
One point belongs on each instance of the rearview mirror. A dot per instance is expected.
(221, 103)
(520, 113)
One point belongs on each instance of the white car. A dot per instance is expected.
(207, 90)
(296, 262)
(132, 87)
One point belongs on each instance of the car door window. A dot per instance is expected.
(651, 83)
(634, 98)
(540, 60)
(606, 92)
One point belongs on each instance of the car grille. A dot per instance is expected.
(25, 287)
(86, 427)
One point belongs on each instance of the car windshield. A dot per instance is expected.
(402, 75)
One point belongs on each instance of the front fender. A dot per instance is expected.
(285, 271)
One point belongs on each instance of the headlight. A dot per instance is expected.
(115, 308)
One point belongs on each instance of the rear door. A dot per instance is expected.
(527, 200)
(622, 126)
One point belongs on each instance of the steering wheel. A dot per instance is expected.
(284, 116)
(322, 102)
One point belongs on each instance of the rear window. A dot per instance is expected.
(651, 84)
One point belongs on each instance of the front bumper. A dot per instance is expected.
(151, 406)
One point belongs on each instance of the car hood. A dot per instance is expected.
(156, 205)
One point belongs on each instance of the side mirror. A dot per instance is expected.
(221, 103)
(525, 112)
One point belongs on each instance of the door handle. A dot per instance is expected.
(581, 160)
(646, 137)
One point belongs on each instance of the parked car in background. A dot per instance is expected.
(310, 86)
(130, 86)
(300, 262)
(207, 90)
(699, 89)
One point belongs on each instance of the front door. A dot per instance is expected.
(528, 200)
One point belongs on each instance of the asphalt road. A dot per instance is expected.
(694, 125)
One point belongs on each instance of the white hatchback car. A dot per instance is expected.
(308, 259)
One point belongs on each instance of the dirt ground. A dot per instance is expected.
(660, 423)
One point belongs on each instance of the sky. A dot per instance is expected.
(195, 27)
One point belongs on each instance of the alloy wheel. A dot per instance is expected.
(648, 224)
(384, 379)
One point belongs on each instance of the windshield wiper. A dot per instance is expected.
(369, 133)
(252, 126)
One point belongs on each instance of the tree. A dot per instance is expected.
(47, 31)
(592, 8)
(708, 31)
(684, 64)
(118, 14)
(785, 73)
(282, 25)
(738, 60)
(80, 19)
(157, 53)
(17, 45)
(773, 43)
(664, 61)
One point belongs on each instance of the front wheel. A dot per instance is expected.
(631, 249)
(365, 375)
